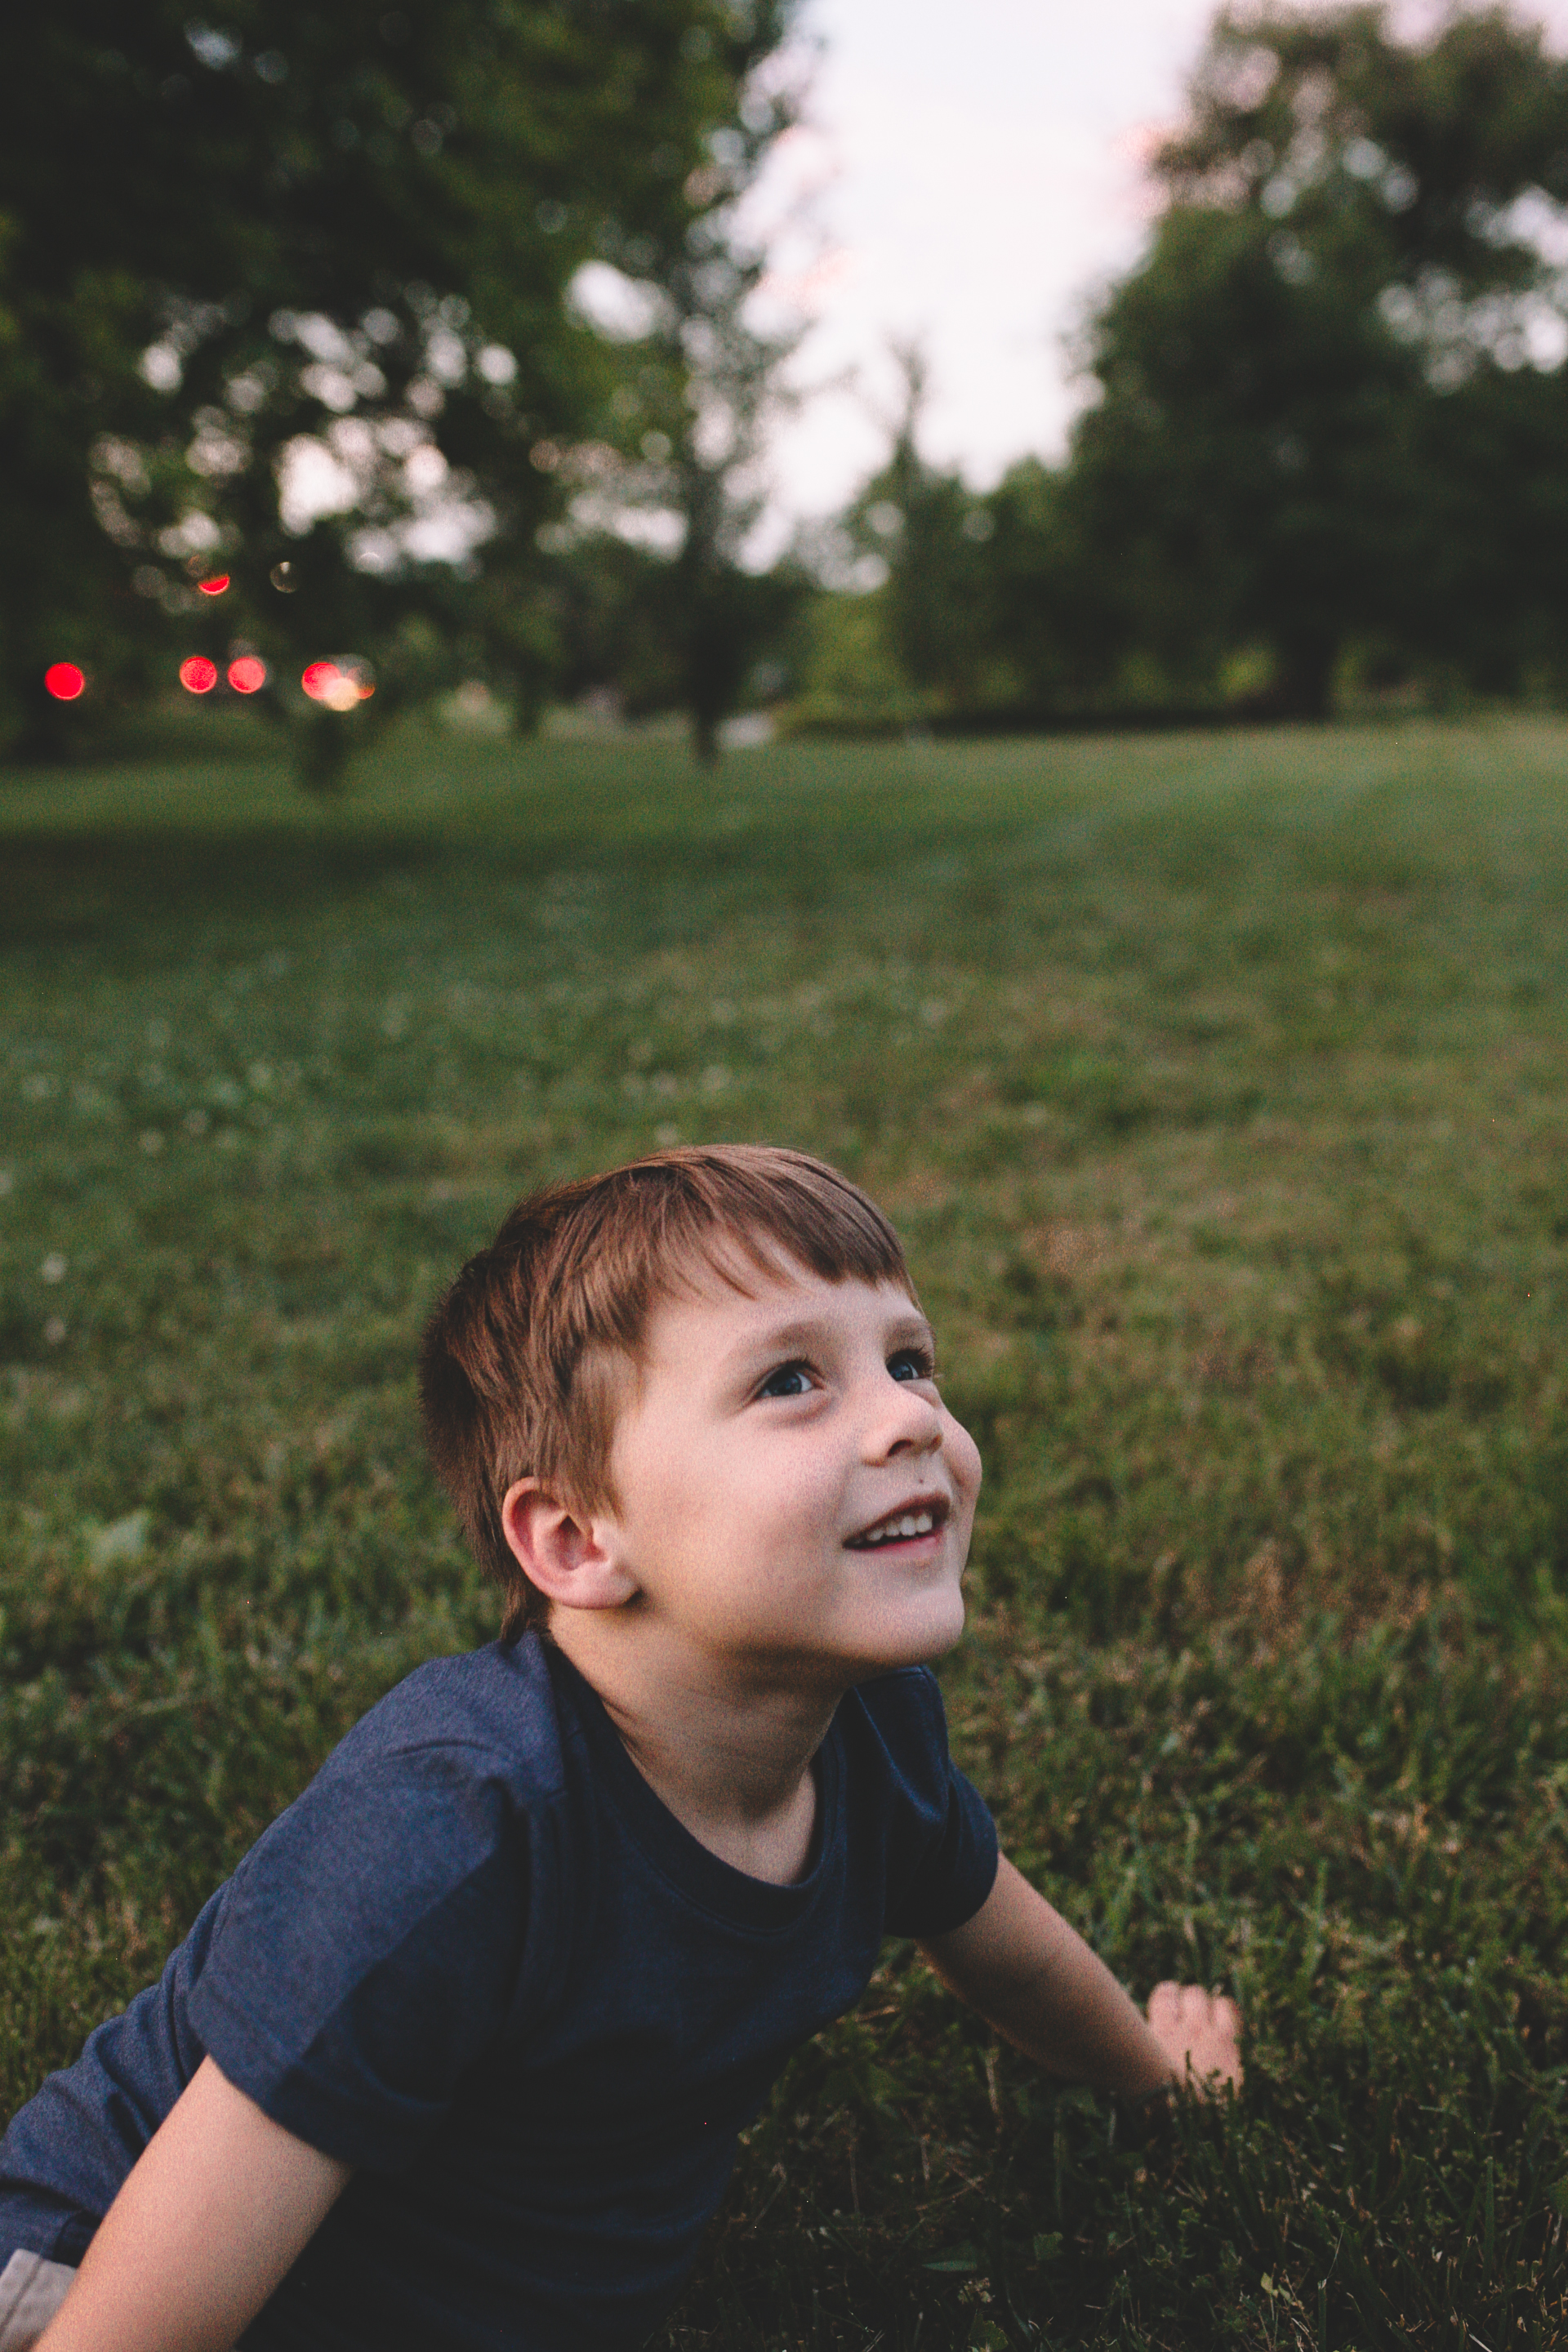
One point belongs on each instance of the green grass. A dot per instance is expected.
(1219, 1089)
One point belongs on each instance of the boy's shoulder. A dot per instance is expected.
(484, 1711)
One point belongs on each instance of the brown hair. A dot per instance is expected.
(522, 1366)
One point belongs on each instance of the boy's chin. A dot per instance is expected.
(923, 1639)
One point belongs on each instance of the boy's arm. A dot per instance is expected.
(1022, 1967)
(211, 2217)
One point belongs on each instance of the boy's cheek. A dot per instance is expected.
(965, 1456)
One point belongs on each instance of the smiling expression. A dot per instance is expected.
(769, 1444)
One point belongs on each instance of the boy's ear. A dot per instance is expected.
(565, 1557)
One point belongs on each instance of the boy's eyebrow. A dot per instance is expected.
(811, 1330)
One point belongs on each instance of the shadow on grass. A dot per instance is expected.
(101, 887)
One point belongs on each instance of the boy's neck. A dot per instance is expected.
(728, 1755)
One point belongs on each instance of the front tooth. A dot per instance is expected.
(913, 1523)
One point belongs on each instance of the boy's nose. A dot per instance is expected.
(906, 1423)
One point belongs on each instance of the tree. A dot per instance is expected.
(339, 237)
(726, 616)
(701, 383)
(1345, 299)
(929, 531)
(1069, 631)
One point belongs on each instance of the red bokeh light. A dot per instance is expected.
(215, 585)
(247, 674)
(64, 681)
(339, 684)
(198, 676)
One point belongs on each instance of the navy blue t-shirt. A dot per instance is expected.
(480, 1960)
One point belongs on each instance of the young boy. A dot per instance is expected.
(458, 2055)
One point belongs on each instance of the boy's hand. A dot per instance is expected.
(1200, 2033)
(1019, 1964)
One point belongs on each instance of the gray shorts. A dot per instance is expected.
(31, 2291)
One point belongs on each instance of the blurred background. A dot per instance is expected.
(820, 367)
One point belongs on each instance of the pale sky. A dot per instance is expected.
(968, 174)
(971, 167)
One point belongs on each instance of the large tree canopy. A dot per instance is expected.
(1329, 405)
(298, 239)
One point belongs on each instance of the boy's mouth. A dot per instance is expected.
(923, 1516)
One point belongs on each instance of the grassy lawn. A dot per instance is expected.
(1219, 1088)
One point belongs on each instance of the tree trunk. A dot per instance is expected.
(1303, 684)
(323, 745)
(50, 733)
(705, 739)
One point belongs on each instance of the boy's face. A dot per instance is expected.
(768, 1437)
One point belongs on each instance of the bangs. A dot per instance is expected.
(789, 1215)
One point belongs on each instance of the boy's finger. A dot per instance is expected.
(1174, 1999)
(1178, 2007)
(1165, 2005)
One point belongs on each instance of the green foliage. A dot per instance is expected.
(698, 389)
(845, 676)
(610, 602)
(1216, 1087)
(1318, 419)
(927, 531)
(1323, 449)
(351, 230)
(656, 633)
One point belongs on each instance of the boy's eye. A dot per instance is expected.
(787, 1373)
(917, 1363)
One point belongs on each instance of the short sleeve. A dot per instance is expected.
(941, 1841)
(367, 1950)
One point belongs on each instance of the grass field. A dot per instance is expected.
(1219, 1088)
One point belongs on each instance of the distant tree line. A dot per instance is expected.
(1327, 441)
(303, 299)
